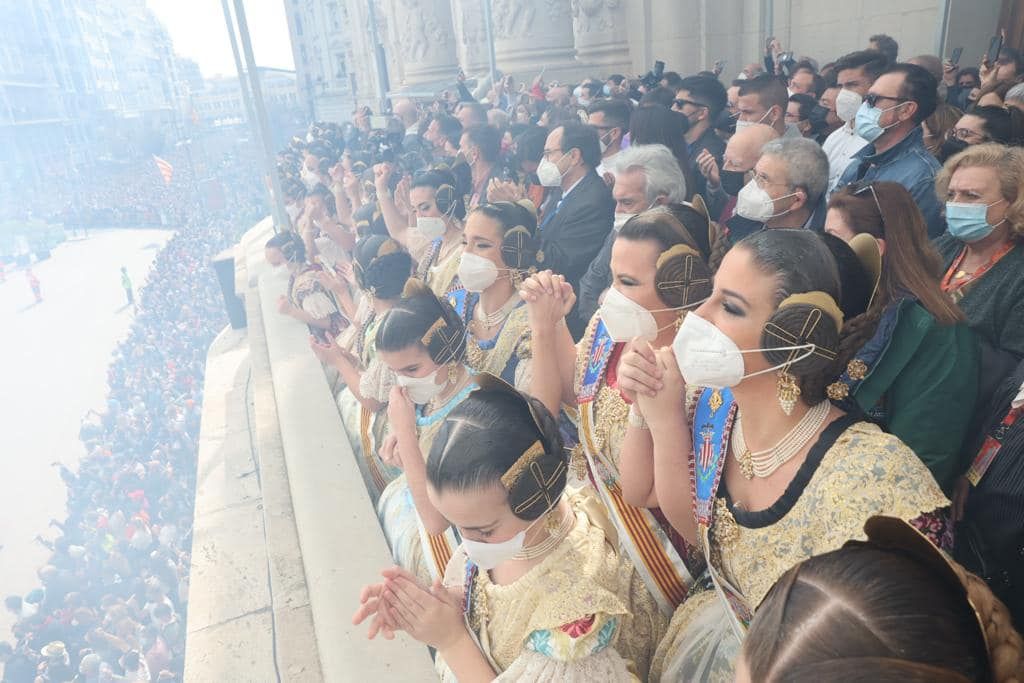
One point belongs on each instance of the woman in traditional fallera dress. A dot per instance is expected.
(500, 247)
(381, 270)
(659, 270)
(537, 591)
(757, 467)
(425, 215)
(423, 341)
(307, 300)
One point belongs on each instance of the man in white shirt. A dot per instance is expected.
(855, 73)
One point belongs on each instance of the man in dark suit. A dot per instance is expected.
(574, 227)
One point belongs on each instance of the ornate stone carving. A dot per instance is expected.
(599, 28)
(424, 39)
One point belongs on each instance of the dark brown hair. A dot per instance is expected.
(910, 264)
(863, 613)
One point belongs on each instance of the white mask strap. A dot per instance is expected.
(810, 351)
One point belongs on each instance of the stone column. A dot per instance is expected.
(423, 38)
(599, 28)
(470, 36)
(530, 34)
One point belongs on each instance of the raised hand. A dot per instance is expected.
(639, 371)
(708, 167)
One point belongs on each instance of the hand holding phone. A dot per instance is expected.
(995, 46)
(955, 57)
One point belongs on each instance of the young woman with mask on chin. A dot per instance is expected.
(759, 470)
(381, 270)
(425, 216)
(983, 249)
(537, 591)
(423, 341)
(658, 272)
(499, 248)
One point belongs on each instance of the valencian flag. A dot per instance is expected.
(166, 170)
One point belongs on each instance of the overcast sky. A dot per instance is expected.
(198, 30)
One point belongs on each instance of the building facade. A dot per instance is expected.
(82, 81)
(426, 42)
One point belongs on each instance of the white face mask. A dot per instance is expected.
(421, 390)
(487, 556)
(707, 357)
(625, 319)
(621, 219)
(431, 227)
(754, 203)
(548, 173)
(476, 273)
(740, 125)
(309, 179)
(293, 211)
(847, 104)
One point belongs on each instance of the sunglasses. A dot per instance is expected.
(872, 99)
(861, 188)
(679, 102)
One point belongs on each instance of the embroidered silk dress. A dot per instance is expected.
(423, 554)
(853, 471)
(582, 614)
(365, 429)
(664, 560)
(306, 292)
(507, 354)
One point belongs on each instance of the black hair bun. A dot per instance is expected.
(799, 324)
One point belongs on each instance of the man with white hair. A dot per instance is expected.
(645, 176)
(789, 183)
(1015, 97)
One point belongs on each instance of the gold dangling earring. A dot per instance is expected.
(453, 374)
(788, 391)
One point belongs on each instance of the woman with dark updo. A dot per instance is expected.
(757, 467)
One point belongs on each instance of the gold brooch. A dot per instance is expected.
(838, 391)
(857, 369)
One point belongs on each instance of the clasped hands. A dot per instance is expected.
(433, 615)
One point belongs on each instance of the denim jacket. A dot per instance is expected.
(909, 164)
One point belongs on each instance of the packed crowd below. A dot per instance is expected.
(111, 603)
(675, 380)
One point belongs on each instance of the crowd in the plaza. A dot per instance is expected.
(674, 379)
(112, 598)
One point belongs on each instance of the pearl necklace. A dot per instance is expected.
(495, 318)
(555, 537)
(763, 464)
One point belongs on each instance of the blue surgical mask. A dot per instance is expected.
(606, 90)
(867, 121)
(969, 222)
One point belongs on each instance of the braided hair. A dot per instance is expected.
(420, 318)
(881, 614)
(500, 435)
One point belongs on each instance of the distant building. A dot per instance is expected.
(82, 80)
(322, 34)
(220, 101)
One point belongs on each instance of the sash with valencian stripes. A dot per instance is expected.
(640, 533)
(713, 418)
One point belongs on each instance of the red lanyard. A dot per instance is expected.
(990, 448)
(956, 279)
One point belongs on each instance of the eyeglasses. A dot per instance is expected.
(872, 99)
(860, 188)
(965, 134)
(680, 103)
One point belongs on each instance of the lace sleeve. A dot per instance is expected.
(377, 381)
(606, 665)
(318, 305)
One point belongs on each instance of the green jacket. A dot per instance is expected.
(926, 380)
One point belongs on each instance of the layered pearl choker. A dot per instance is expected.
(495, 318)
(763, 464)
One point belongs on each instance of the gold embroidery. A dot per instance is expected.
(514, 338)
(588, 577)
(857, 369)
